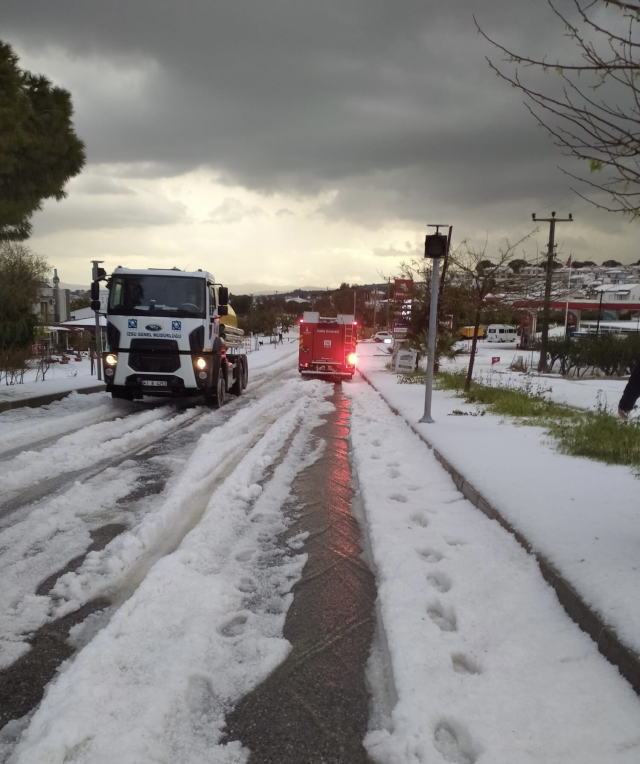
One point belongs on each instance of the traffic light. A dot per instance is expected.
(95, 294)
(435, 246)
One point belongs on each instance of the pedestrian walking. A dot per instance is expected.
(280, 340)
(631, 393)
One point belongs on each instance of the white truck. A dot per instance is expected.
(172, 333)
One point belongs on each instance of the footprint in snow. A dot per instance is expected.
(247, 585)
(419, 518)
(394, 473)
(234, 627)
(430, 555)
(440, 581)
(376, 443)
(375, 456)
(462, 664)
(245, 555)
(444, 618)
(454, 744)
(455, 542)
(398, 497)
(413, 488)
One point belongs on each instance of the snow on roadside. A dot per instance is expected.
(201, 630)
(216, 454)
(32, 549)
(90, 445)
(579, 393)
(23, 426)
(580, 514)
(487, 666)
(72, 376)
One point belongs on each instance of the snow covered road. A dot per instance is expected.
(202, 595)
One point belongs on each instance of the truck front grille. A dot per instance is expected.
(159, 356)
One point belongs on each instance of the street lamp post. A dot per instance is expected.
(435, 248)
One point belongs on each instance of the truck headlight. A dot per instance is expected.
(201, 363)
(110, 359)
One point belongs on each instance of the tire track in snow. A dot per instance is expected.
(197, 642)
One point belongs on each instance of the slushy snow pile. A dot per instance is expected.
(486, 664)
(201, 630)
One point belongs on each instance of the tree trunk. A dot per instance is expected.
(474, 342)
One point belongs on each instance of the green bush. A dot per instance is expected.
(611, 354)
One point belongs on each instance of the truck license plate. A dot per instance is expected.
(154, 383)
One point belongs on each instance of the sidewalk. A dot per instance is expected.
(59, 382)
(579, 517)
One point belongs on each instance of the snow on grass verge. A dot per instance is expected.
(486, 664)
(202, 629)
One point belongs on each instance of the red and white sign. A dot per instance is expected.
(403, 299)
(495, 359)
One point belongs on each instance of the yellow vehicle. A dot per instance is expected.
(466, 332)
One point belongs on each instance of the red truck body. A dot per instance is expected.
(327, 346)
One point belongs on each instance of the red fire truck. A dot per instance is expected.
(327, 346)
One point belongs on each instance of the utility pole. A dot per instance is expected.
(95, 294)
(544, 340)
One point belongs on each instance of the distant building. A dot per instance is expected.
(53, 305)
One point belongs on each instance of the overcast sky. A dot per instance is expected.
(297, 143)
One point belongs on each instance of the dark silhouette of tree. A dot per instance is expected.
(39, 149)
(596, 117)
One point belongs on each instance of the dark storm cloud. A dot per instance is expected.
(391, 103)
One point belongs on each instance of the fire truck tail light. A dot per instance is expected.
(355, 323)
(351, 359)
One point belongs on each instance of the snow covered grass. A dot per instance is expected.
(203, 628)
(487, 666)
(592, 434)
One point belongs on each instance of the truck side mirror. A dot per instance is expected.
(223, 297)
(223, 310)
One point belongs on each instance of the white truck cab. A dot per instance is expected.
(172, 333)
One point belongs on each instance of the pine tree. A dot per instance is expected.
(39, 149)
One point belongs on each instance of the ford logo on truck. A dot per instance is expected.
(153, 327)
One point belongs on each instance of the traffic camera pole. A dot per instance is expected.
(96, 276)
(435, 248)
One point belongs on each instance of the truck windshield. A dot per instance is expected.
(157, 295)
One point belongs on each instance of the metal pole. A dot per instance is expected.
(431, 349)
(599, 314)
(96, 263)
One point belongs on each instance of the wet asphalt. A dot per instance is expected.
(314, 708)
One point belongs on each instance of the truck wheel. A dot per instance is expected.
(236, 387)
(215, 397)
(120, 392)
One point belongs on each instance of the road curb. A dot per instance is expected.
(609, 644)
(42, 400)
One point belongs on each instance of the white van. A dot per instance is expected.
(501, 333)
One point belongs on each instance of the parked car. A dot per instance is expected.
(385, 337)
(501, 333)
